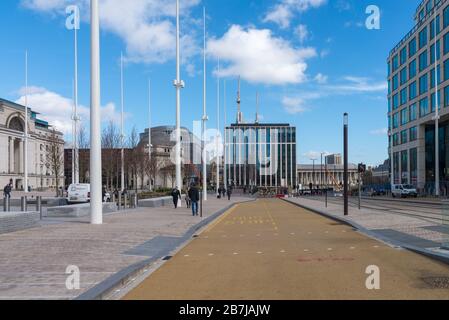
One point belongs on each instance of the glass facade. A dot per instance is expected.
(261, 155)
(444, 155)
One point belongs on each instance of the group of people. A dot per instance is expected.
(192, 197)
(223, 192)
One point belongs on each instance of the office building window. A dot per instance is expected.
(424, 107)
(395, 120)
(395, 101)
(395, 63)
(423, 84)
(434, 23)
(413, 134)
(432, 52)
(404, 137)
(412, 112)
(412, 47)
(432, 77)
(403, 75)
(423, 61)
(412, 90)
(432, 102)
(446, 96)
(404, 167)
(403, 96)
(413, 166)
(395, 82)
(446, 17)
(446, 43)
(395, 139)
(403, 55)
(404, 116)
(423, 38)
(412, 69)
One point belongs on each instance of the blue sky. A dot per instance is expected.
(310, 60)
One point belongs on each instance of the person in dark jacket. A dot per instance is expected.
(176, 196)
(194, 196)
(229, 191)
(7, 191)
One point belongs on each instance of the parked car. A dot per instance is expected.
(78, 193)
(404, 191)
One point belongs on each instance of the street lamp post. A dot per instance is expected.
(122, 132)
(150, 146)
(345, 175)
(313, 173)
(25, 147)
(96, 207)
(436, 118)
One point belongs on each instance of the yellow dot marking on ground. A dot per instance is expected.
(216, 222)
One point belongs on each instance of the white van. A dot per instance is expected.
(78, 193)
(404, 191)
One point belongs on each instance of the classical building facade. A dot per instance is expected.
(325, 176)
(417, 66)
(12, 125)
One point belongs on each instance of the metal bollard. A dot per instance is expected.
(24, 204)
(6, 204)
(119, 202)
(125, 200)
(39, 206)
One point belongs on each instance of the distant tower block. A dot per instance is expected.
(239, 111)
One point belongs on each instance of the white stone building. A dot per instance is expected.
(12, 124)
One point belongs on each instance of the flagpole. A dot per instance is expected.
(149, 130)
(179, 84)
(225, 169)
(76, 118)
(25, 147)
(205, 118)
(218, 126)
(96, 200)
(122, 133)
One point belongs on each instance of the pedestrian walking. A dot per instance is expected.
(188, 199)
(176, 196)
(229, 193)
(194, 196)
(7, 191)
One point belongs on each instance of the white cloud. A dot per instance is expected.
(360, 84)
(321, 78)
(146, 26)
(285, 10)
(58, 110)
(302, 32)
(293, 105)
(316, 155)
(259, 57)
(379, 132)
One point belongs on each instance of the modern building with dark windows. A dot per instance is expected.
(262, 155)
(418, 78)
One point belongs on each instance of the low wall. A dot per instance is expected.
(157, 202)
(49, 202)
(16, 221)
(78, 210)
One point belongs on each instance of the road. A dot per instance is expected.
(273, 250)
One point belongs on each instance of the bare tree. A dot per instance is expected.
(132, 161)
(110, 141)
(55, 157)
(84, 145)
(152, 166)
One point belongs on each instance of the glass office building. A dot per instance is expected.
(262, 155)
(418, 83)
